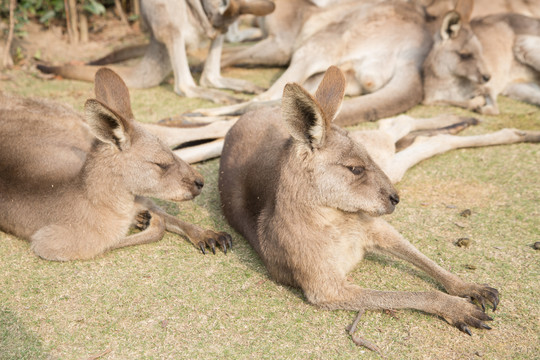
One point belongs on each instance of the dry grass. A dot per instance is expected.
(167, 301)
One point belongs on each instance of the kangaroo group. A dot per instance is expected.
(308, 195)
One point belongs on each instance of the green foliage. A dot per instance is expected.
(47, 12)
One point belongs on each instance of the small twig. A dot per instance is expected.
(352, 328)
(97, 356)
(359, 340)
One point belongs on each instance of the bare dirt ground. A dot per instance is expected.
(51, 45)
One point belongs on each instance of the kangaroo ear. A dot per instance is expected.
(330, 92)
(224, 6)
(111, 90)
(107, 125)
(465, 8)
(303, 116)
(451, 25)
(256, 7)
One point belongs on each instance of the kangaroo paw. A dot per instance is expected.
(142, 220)
(461, 313)
(211, 239)
(480, 294)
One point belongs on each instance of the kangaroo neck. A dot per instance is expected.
(102, 183)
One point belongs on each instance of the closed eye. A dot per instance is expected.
(465, 56)
(163, 166)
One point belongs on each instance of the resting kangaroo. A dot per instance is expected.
(174, 27)
(379, 45)
(471, 63)
(308, 198)
(74, 188)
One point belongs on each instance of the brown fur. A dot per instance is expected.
(379, 45)
(309, 198)
(74, 187)
(472, 62)
(175, 27)
(531, 8)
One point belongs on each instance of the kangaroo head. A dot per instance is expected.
(457, 52)
(146, 166)
(223, 13)
(338, 171)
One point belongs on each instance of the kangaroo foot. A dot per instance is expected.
(478, 293)
(462, 313)
(212, 238)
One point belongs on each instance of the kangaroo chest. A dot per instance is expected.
(347, 238)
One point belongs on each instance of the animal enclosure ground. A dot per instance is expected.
(167, 301)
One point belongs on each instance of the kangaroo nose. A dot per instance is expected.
(199, 183)
(486, 78)
(394, 199)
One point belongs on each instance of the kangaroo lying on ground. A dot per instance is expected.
(471, 63)
(308, 198)
(74, 188)
(174, 27)
(379, 45)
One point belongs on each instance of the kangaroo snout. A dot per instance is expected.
(199, 183)
(485, 78)
(196, 184)
(394, 199)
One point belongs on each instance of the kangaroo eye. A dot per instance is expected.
(465, 56)
(356, 170)
(163, 166)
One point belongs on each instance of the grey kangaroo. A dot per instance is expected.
(472, 62)
(308, 198)
(74, 187)
(176, 26)
(379, 45)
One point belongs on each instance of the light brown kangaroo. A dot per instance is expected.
(379, 45)
(308, 198)
(74, 188)
(472, 62)
(176, 26)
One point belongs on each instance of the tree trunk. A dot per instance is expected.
(7, 61)
(71, 20)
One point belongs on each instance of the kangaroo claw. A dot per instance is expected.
(201, 246)
(464, 328)
(213, 240)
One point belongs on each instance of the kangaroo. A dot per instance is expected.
(308, 198)
(472, 62)
(379, 45)
(175, 26)
(73, 188)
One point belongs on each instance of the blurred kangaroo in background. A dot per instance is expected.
(379, 45)
(472, 62)
(174, 27)
(308, 198)
(74, 188)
